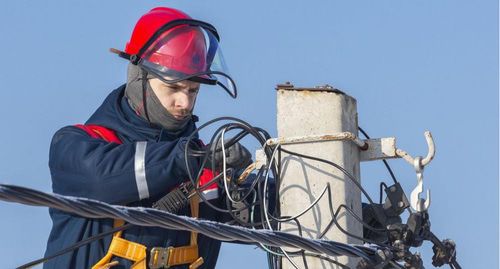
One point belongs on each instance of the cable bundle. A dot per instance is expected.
(257, 195)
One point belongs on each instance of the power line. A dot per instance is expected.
(151, 217)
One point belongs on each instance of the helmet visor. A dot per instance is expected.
(188, 52)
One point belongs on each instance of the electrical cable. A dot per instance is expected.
(334, 215)
(382, 184)
(75, 246)
(230, 188)
(334, 221)
(303, 253)
(92, 238)
(151, 217)
(239, 123)
(328, 259)
(252, 199)
(351, 177)
(224, 178)
(302, 212)
(260, 134)
(264, 206)
(387, 166)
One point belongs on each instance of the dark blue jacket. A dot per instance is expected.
(93, 168)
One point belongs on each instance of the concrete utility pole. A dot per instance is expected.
(320, 113)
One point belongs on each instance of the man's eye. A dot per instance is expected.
(173, 88)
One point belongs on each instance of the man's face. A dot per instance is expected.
(178, 98)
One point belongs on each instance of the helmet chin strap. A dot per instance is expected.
(144, 94)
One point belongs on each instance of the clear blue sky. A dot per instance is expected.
(412, 66)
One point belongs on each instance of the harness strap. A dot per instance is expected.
(160, 257)
(119, 247)
(127, 249)
(194, 202)
(166, 257)
(123, 248)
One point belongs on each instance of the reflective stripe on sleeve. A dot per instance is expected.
(140, 169)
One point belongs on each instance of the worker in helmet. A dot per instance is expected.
(131, 150)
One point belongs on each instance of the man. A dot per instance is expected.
(131, 150)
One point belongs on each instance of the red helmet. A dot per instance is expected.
(149, 23)
(172, 46)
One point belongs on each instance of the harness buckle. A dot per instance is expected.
(186, 188)
(159, 257)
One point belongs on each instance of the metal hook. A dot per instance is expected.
(432, 149)
(417, 203)
(430, 153)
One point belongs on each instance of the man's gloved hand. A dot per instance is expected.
(237, 156)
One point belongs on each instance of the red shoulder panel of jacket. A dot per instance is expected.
(100, 132)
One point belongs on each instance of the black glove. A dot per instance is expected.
(237, 156)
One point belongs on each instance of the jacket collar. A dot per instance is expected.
(115, 113)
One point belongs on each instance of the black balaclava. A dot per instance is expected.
(155, 113)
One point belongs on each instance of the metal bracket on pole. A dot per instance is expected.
(373, 149)
(378, 149)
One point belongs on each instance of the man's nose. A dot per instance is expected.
(182, 101)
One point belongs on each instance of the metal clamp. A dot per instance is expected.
(342, 136)
(159, 257)
(419, 204)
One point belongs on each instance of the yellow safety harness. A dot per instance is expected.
(159, 257)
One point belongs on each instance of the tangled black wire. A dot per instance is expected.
(257, 196)
(253, 197)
